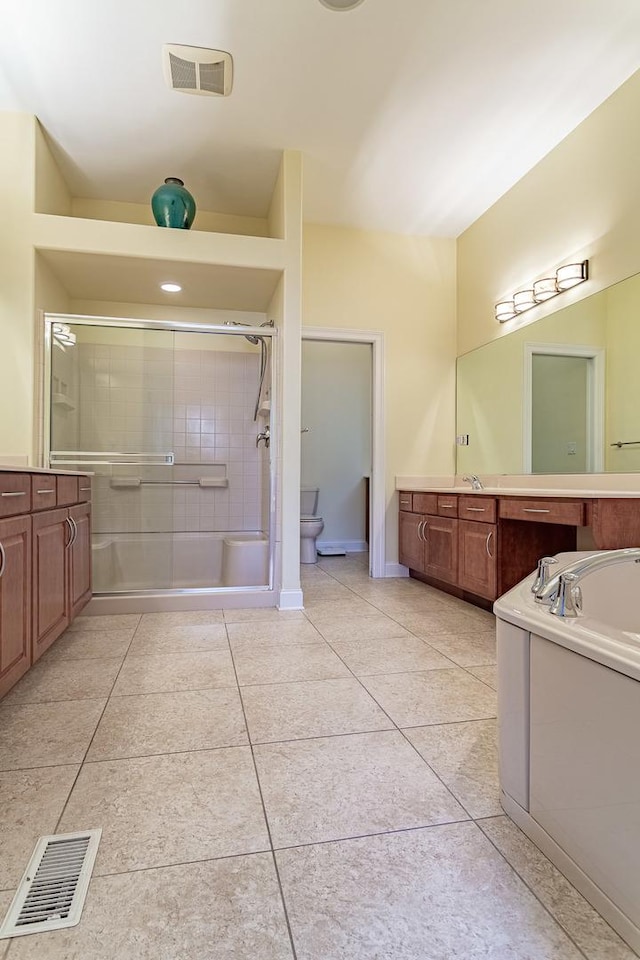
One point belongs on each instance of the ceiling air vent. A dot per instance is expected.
(198, 70)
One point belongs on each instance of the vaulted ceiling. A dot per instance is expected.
(413, 115)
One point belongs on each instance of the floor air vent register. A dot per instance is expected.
(53, 888)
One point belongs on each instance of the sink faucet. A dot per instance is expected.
(562, 592)
(476, 482)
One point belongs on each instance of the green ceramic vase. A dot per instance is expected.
(173, 205)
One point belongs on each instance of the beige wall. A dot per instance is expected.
(405, 287)
(581, 201)
(17, 135)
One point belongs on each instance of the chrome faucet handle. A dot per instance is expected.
(568, 602)
(474, 480)
(544, 575)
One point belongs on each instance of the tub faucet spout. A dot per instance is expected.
(548, 592)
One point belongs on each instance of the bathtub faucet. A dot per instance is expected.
(562, 593)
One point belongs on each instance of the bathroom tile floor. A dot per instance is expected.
(318, 785)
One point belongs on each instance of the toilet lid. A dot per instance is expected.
(309, 518)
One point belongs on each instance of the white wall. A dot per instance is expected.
(336, 452)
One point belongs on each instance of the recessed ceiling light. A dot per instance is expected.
(171, 287)
(341, 4)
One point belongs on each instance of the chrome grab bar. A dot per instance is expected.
(109, 457)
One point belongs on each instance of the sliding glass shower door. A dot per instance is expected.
(112, 400)
(168, 421)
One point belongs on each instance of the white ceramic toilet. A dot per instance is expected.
(311, 526)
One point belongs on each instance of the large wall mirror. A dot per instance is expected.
(561, 395)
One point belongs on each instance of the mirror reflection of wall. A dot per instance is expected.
(491, 391)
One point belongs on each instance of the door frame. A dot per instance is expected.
(377, 505)
(595, 398)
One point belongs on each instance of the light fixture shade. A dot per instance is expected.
(571, 274)
(545, 289)
(341, 4)
(505, 310)
(523, 300)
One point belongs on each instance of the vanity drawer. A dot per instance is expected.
(544, 511)
(447, 506)
(406, 501)
(480, 509)
(67, 490)
(43, 491)
(84, 489)
(15, 494)
(425, 503)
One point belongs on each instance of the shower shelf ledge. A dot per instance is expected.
(61, 400)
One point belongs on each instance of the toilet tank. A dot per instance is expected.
(309, 501)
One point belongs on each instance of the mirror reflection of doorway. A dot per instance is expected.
(563, 408)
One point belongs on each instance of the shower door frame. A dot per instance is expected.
(178, 326)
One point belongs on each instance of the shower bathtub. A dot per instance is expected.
(126, 562)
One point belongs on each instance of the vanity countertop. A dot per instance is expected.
(5, 468)
(599, 488)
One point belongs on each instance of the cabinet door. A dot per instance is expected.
(80, 559)
(477, 568)
(15, 596)
(441, 551)
(411, 546)
(51, 537)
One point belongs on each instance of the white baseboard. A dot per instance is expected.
(396, 570)
(349, 546)
(290, 600)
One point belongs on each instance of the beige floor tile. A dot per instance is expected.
(65, 680)
(465, 757)
(326, 590)
(187, 639)
(90, 645)
(466, 651)
(320, 610)
(488, 674)
(46, 734)
(180, 671)
(377, 627)
(394, 655)
(261, 613)
(441, 893)
(159, 622)
(221, 910)
(168, 723)
(124, 621)
(181, 807)
(273, 663)
(434, 696)
(325, 789)
(266, 632)
(586, 927)
(31, 802)
(433, 623)
(319, 708)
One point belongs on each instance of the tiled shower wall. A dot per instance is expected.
(197, 404)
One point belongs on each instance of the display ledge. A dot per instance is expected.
(601, 486)
(6, 468)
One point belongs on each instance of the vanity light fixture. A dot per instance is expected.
(523, 300)
(341, 4)
(171, 287)
(505, 310)
(567, 276)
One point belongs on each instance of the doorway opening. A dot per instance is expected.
(342, 444)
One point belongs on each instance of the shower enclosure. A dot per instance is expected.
(167, 417)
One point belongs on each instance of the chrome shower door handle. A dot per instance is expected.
(264, 436)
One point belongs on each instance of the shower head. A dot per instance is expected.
(254, 340)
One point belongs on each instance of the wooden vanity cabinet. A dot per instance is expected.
(478, 558)
(45, 565)
(411, 544)
(15, 600)
(441, 548)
